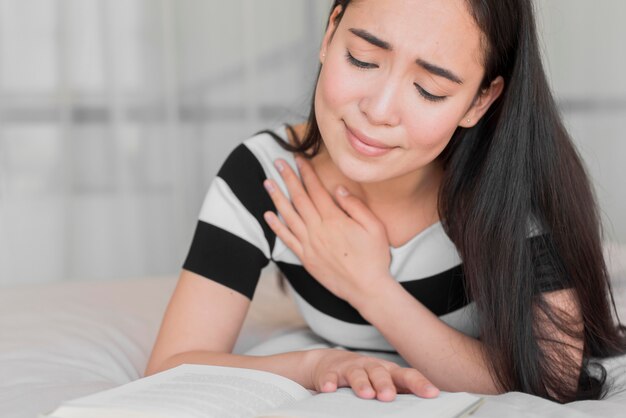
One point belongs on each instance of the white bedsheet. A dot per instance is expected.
(65, 340)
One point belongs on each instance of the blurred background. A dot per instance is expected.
(116, 114)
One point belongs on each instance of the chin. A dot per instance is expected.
(359, 171)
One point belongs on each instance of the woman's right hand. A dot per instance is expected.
(368, 377)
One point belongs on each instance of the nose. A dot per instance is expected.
(381, 103)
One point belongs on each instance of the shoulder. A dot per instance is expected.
(236, 199)
(239, 181)
(255, 156)
(252, 161)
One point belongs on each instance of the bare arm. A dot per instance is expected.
(450, 359)
(201, 325)
(203, 320)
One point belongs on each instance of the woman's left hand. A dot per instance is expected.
(344, 247)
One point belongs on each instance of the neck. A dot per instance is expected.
(418, 188)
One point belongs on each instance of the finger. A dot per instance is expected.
(299, 196)
(360, 383)
(283, 233)
(322, 200)
(411, 381)
(357, 210)
(381, 381)
(285, 208)
(329, 382)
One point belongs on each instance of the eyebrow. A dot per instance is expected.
(363, 34)
(431, 68)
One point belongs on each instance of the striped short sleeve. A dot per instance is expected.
(232, 242)
(548, 266)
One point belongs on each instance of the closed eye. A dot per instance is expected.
(428, 96)
(358, 63)
(366, 65)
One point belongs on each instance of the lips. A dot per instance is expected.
(365, 145)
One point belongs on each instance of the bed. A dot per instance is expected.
(64, 340)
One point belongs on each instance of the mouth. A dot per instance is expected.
(365, 145)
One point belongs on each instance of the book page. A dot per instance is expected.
(190, 391)
(344, 402)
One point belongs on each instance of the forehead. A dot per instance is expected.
(439, 31)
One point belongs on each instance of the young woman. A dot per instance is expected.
(443, 214)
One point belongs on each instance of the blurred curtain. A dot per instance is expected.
(585, 54)
(115, 115)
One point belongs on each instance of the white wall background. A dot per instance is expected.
(585, 55)
(115, 115)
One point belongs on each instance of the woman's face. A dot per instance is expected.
(398, 77)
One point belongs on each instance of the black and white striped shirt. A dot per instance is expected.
(232, 243)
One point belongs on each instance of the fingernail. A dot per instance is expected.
(431, 388)
(342, 191)
(279, 165)
(368, 392)
(268, 186)
(268, 218)
(298, 162)
(386, 392)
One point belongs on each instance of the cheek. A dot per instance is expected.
(336, 87)
(430, 130)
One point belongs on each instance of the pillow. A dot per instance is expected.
(64, 340)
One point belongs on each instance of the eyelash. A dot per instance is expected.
(366, 65)
(357, 63)
(426, 95)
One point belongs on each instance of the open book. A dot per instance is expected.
(201, 391)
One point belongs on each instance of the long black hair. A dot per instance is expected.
(515, 168)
